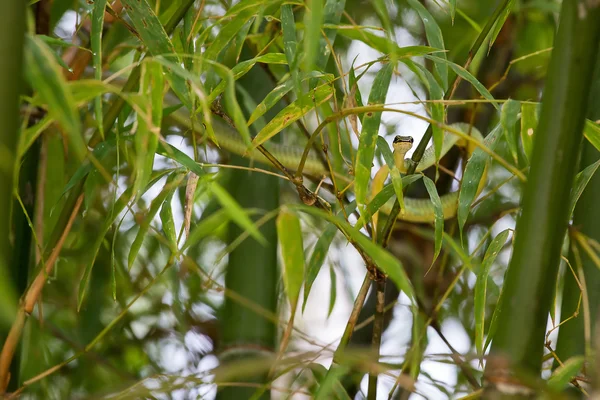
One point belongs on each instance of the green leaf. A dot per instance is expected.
(157, 40)
(319, 253)
(561, 377)
(452, 10)
(292, 251)
(173, 181)
(277, 94)
(383, 44)
(368, 136)
(96, 45)
(168, 223)
(292, 112)
(236, 213)
(206, 227)
(330, 381)
(166, 150)
(320, 373)
(592, 133)
(312, 32)
(466, 75)
(581, 181)
(434, 37)
(439, 215)
(472, 177)
(383, 260)
(508, 118)
(481, 287)
(290, 43)
(333, 290)
(332, 15)
(529, 122)
(45, 77)
(500, 23)
(388, 156)
(149, 122)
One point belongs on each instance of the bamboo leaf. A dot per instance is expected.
(236, 213)
(292, 112)
(500, 23)
(45, 77)
(332, 14)
(481, 287)
(383, 44)
(466, 75)
(206, 227)
(290, 43)
(173, 181)
(434, 37)
(387, 263)
(529, 122)
(509, 116)
(312, 32)
(580, 183)
(439, 215)
(330, 382)
(472, 179)
(368, 137)
(157, 40)
(333, 290)
(563, 375)
(591, 131)
(452, 10)
(292, 251)
(96, 45)
(319, 253)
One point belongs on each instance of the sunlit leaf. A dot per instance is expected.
(96, 45)
(312, 32)
(383, 44)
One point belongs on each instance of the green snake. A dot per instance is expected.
(416, 210)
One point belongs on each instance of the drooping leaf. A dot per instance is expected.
(439, 215)
(312, 32)
(292, 251)
(383, 146)
(481, 287)
(383, 44)
(500, 23)
(333, 291)
(96, 45)
(206, 227)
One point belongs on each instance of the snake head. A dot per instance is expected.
(403, 143)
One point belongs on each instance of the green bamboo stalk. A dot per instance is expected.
(571, 338)
(252, 271)
(528, 288)
(12, 28)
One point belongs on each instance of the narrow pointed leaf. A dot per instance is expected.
(312, 32)
(481, 287)
(500, 23)
(236, 213)
(96, 45)
(45, 77)
(581, 181)
(434, 38)
(529, 122)
(508, 118)
(592, 133)
(292, 251)
(439, 215)
(388, 156)
(333, 290)
(383, 44)
(292, 112)
(369, 134)
(206, 227)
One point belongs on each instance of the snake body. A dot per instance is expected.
(416, 210)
